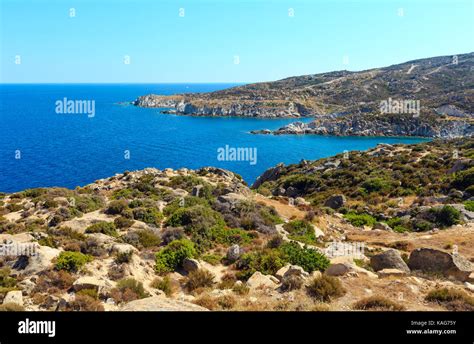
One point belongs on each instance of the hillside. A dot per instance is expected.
(442, 84)
(387, 229)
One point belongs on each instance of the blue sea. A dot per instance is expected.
(40, 147)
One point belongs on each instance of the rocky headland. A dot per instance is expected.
(432, 97)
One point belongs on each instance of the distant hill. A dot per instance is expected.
(443, 85)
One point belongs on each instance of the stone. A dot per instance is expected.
(190, 265)
(233, 253)
(281, 272)
(259, 280)
(382, 226)
(469, 286)
(300, 201)
(391, 272)
(160, 304)
(88, 282)
(335, 202)
(436, 261)
(338, 269)
(40, 261)
(14, 296)
(390, 259)
(196, 191)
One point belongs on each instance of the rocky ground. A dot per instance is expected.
(203, 240)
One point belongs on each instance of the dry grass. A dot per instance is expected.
(452, 299)
(377, 303)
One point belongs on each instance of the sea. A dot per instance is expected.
(45, 141)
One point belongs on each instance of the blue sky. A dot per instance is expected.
(205, 44)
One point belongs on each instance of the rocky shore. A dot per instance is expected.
(378, 125)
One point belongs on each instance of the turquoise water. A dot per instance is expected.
(57, 149)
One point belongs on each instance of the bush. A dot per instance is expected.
(72, 261)
(103, 227)
(226, 301)
(123, 222)
(148, 215)
(464, 179)
(301, 230)
(267, 262)
(196, 218)
(377, 303)
(123, 257)
(360, 220)
(309, 259)
(11, 307)
(85, 303)
(147, 238)
(446, 216)
(52, 280)
(376, 185)
(117, 207)
(452, 299)
(212, 259)
(164, 284)
(199, 279)
(292, 282)
(172, 255)
(325, 288)
(469, 205)
(127, 290)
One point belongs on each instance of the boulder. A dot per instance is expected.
(391, 272)
(88, 282)
(190, 265)
(382, 226)
(300, 201)
(14, 296)
(234, 252)
(160, 304)
(389, 259)
(259, 280)
(335, 202)
(436, 261)
(338, 269)
(40, 261)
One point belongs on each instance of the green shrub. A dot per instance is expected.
(212, 259)
(309, 259)
(148, 238)
(164, 284)
(117, 207)
(325, 288)
(267, 261)
(172, 255)
(148, 215)
(376, 185)
(360, 220)
(103, 227)
(123, 222)
(195, 218)
(446, 216)
(72, 261)
(464, 179)
(469, 205)
(301, 230)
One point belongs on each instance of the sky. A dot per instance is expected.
(167, 41)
